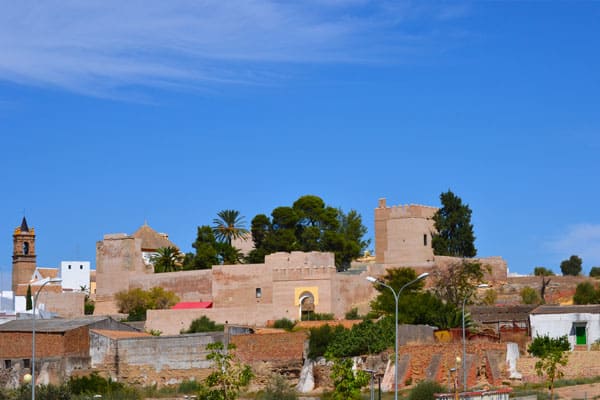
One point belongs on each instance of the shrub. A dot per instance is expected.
(278, 389)
(204, 324)
(93, 384)
(320, 338)
(318, 317)
(595, 272)
(424, 390)
(284, 323)
(189, 386)
(530, 296)
(136, 301)
(490, 297)
(352, 314)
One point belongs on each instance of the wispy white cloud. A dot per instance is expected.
(582, 240)
(98, 46)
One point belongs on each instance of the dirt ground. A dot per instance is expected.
(588, 391)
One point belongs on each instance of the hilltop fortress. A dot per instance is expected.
(284, 286)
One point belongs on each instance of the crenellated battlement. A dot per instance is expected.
(383, 211)
(299, 259)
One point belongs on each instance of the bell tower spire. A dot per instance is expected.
(24, 258)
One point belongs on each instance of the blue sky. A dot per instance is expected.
(112, 114)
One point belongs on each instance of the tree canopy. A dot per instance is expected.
(309, 225)
(458, 281)
(229, 226)
(210, 252)
(572, 266)
(167, 259)
(586, 293)
(542, 271)
(454, 232)
(415, 306)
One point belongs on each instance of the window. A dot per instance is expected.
(25, 248)
(26, 363)
(258, 293)
(425, 240)
(81, 267)
(7, 364)
(69, 266)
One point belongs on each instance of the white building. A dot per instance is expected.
(580, 323)
(75, 275)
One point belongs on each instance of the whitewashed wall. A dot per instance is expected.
(556, 325)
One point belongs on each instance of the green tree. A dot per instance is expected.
(206, 253)
(542, 271)
(586, 293)
(204, 324)
(28, 299)
(309, 225)
(414, 305)
(572, 266)
(530, 296)
(458, 281)
(454, 232)
(135, 302)
(347, 383)
(595, 272)
(167, 259)
(229, 375)
(229, 226)
(552, 353)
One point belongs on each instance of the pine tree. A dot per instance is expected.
(454, 236)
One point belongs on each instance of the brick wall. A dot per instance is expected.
(271, 347)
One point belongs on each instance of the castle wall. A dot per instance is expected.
(403, 234)
(242, 285)
(497, 272)
(187, 285)
(171, 322)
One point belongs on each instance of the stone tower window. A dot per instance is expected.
(258, 293)
(425, 240)
(25, 248)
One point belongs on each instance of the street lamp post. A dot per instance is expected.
(51, 280)
(464, 337)
(396, 296)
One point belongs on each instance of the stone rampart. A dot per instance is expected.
(187, 285)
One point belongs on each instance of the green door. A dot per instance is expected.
(580, 333)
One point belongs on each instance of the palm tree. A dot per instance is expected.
(229, 226)
(167, 259)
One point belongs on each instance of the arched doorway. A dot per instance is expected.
(306, 302)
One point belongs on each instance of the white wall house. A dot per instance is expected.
(581, 323)
(75, 274)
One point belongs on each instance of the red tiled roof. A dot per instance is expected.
(192, 304)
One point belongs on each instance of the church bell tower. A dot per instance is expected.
(24, 259)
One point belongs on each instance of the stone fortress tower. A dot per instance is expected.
(403, 234)
(24, 258)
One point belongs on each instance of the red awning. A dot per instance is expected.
(192, 304)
